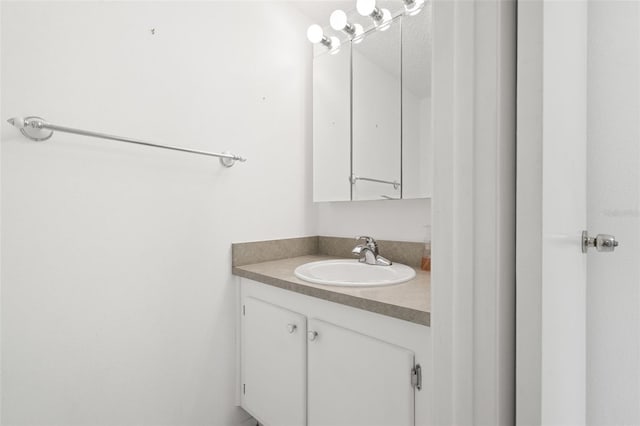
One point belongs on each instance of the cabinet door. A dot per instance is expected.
(357, 380)
(273, 368)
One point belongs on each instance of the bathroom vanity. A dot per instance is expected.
(312, 354)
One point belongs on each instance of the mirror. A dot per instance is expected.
(376, 118)
(416, 105)
(372, 112)
(332, 125)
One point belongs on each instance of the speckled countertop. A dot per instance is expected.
(409, 301)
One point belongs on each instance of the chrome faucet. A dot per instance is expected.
(368, 252)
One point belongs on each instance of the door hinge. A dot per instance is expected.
(244, 389)
(244, 312)
(416, 377)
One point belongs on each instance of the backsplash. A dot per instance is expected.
(265, 251)
(409, 253)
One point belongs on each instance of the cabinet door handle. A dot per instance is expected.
(291, 328)
(313, 335)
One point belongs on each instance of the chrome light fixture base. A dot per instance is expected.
(413, 7)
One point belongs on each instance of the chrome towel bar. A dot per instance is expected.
(353, 179)
(37, 129)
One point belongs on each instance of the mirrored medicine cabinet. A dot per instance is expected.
(372, 111)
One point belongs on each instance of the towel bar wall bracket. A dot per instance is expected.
(39, 130)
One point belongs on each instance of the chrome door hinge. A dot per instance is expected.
(244, 389)
(244, 312)
(416, 377)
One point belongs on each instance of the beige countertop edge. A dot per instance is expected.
(401, 312)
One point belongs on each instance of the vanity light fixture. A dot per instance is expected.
(316, 35)
(339, 22)
(413, 7)
(381, 17)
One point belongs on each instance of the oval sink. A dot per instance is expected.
(352, 273)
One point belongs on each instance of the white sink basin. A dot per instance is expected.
(352, 273)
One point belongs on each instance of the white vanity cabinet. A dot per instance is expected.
(274, 364)
(306, 361)
(354, 379)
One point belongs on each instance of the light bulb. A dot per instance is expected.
(338, 20)
(315, 33)
(413, 7)
(366, 7)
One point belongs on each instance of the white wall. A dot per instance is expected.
(117, 298)
(401, 220)
(613, 200)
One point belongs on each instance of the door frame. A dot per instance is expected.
(473, 276)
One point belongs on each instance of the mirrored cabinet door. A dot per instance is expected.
(372, 110)
(332, 125)
(377, 116)
(416, 105)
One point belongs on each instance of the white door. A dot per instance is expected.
(551, 213)
(578, 316)
(273, 367)
(613, 200)
(357, 380)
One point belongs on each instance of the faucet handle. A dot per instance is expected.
(370, 242)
